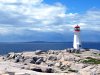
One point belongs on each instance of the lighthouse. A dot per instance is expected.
(77, 40)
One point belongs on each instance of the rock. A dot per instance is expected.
(22, 74)
(39, 61)
(58, 64)
(82, 50)
(43, 69)
(51, 52)
(51, 64)
(44, 59)
(94, 51)
(16, 60)
(78, 66)
(61, 62)
(77, 50)
(59, 56)
(69, 58)
(98, 70)
(89, 70)
(37, 69)
(87, 49)
(35, 58)
(10, 73)
(63, 67)
(49, 70)
(71, 50)
(86, 73)
(29, 60)
(38, 52)
(53, 58)
(19, 58)
(11, 55)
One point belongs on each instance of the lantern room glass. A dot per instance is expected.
(77, 29)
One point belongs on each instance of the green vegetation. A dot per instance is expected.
(96, 54)
(90, 60)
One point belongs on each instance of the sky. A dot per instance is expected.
(49, 20)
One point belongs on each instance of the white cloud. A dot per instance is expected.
(21, 1)
(32, 15)
(7, 1)
(90, 20)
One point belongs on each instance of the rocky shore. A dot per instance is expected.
(51, 62)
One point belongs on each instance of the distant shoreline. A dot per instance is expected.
(47, 42)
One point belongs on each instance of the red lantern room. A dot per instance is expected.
(77, 28)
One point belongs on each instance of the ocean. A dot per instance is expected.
(20, 47)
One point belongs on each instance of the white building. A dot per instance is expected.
(77, 40)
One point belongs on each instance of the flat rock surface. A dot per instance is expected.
(53, 62)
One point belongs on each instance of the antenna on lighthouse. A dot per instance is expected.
(77, 40)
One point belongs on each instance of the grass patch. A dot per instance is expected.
(96, 54)
(90, 60)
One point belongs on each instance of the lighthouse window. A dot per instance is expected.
(77, 29)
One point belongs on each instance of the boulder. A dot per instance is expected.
(19, 58)
(63, 67)
(58, 64)
(78, 66)
(59, 56)
(71, 50)
(69, 58)
(53, 58)
(39, 61)
(98, 72)
(43, 69)
(35, 58)
(49, 70)
(16, 59)
(30, 60)
(10, 73)
(86, 73)
(22, 74)
(37, 69)
(9, 56)
(51, 64)
(38, 52)
(51, 52)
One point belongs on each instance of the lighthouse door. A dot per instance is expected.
(80, 46)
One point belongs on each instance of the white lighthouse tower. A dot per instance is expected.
(77, 40)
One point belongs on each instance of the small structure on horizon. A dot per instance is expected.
(77, 41)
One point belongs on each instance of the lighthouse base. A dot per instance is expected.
(77, 46)
(72, 50)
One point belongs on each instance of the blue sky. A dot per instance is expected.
(49, 20)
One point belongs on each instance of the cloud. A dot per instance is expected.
(35, 15)
(90, 20)
(18, 17)
(32, 15)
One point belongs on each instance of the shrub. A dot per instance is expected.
(90, 60)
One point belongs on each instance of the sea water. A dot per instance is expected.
(20, 47)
